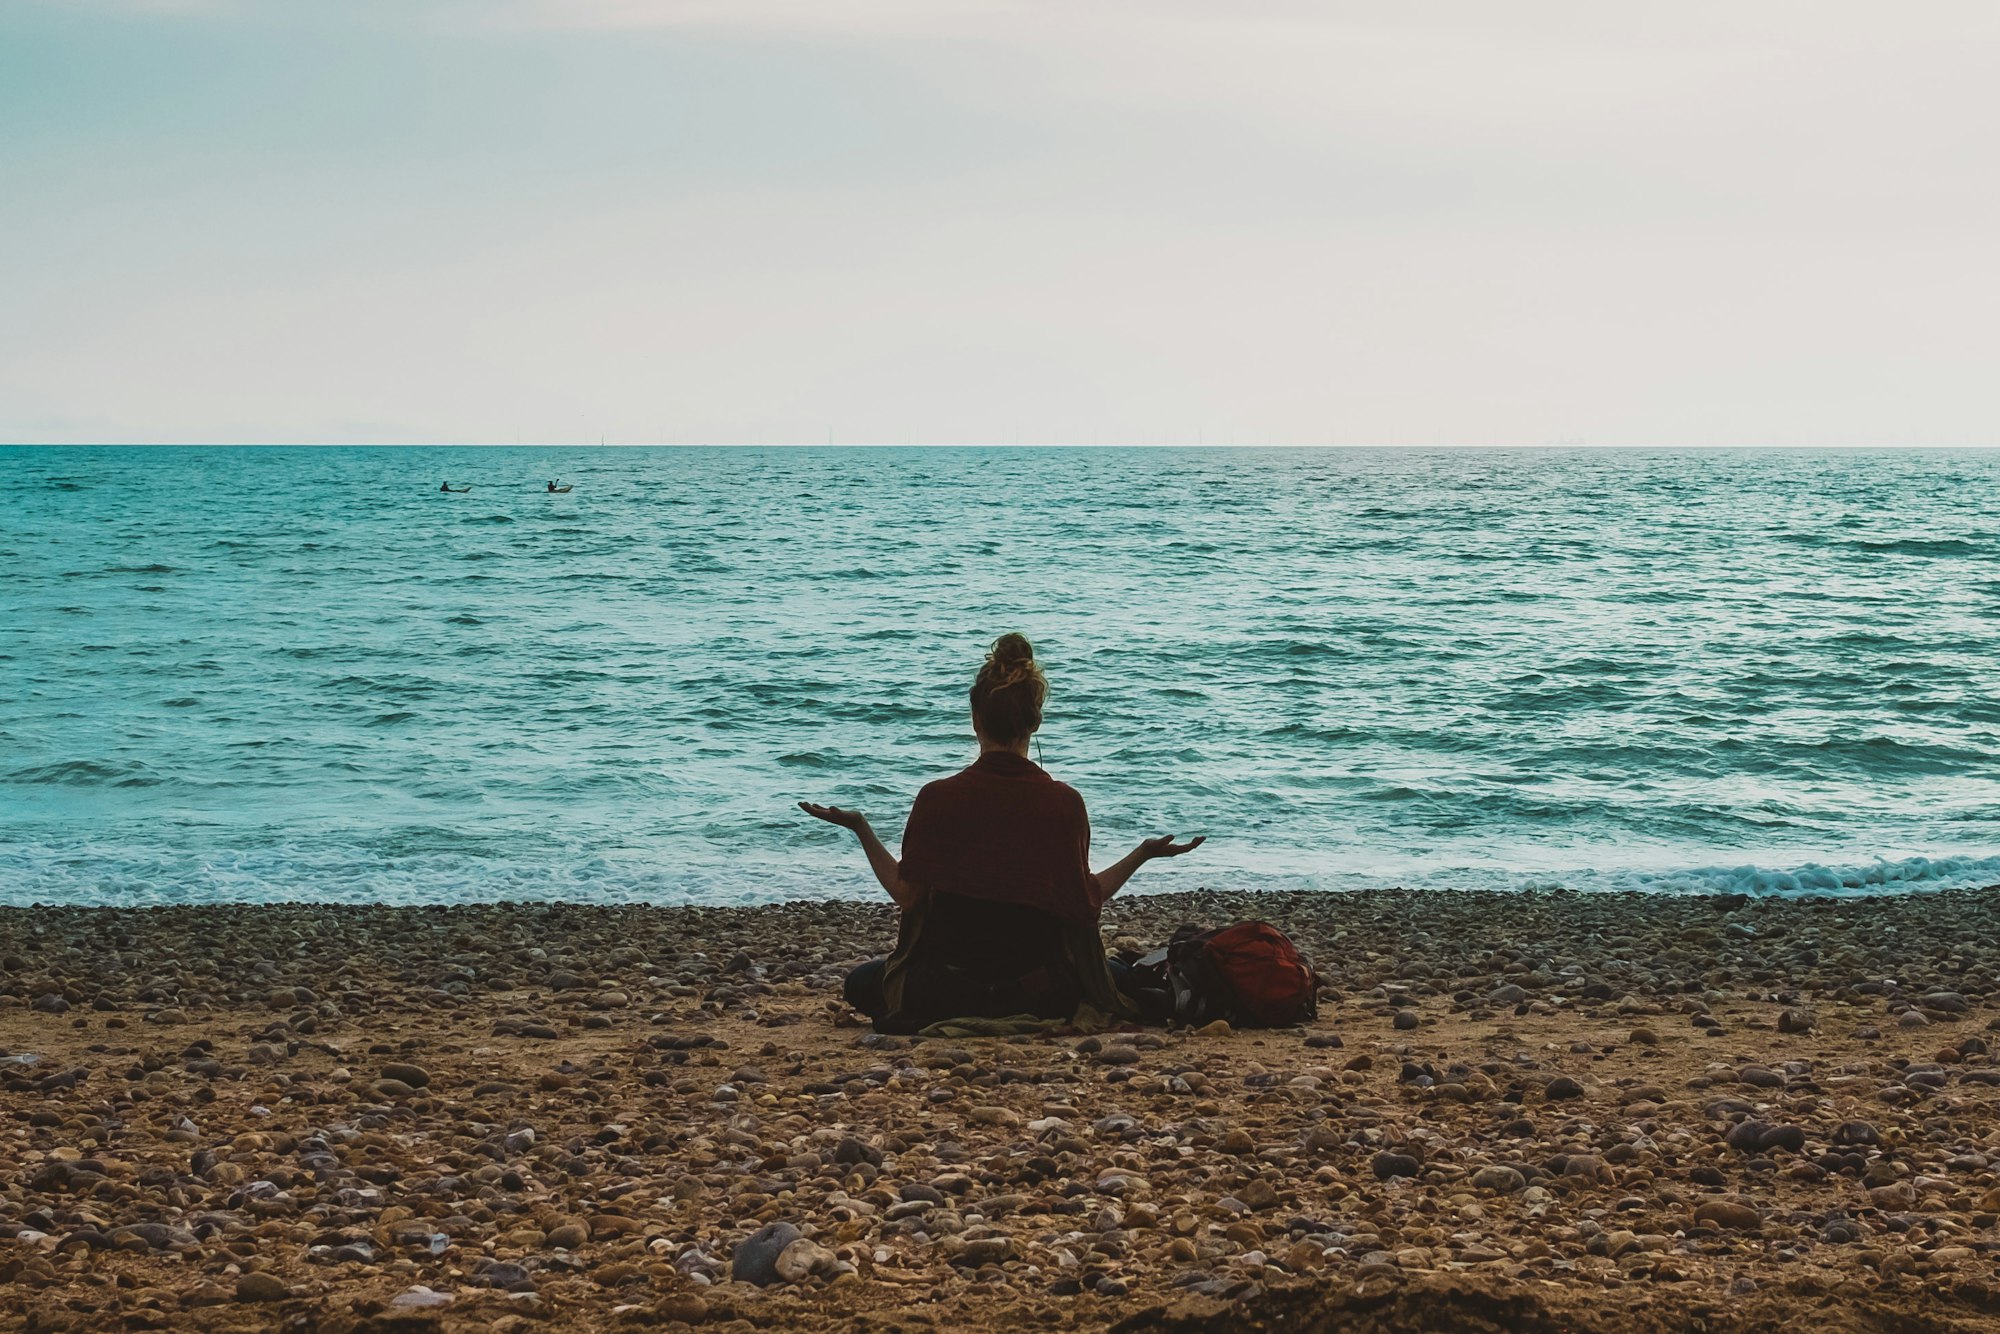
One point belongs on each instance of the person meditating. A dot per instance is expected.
(999, 904)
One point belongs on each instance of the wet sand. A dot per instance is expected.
(1532, 1112)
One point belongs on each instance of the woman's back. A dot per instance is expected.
(1003, 831)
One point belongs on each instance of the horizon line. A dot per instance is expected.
(1551, 445)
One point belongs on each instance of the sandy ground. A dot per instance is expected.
(1533, 1112)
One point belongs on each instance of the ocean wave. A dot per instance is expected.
(1809, 879)
(86, 773)
(409, 687)
(422, 865)
(1915, 546)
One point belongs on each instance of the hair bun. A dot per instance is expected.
(1010, 649)
(1008, 694)
(1010, 661)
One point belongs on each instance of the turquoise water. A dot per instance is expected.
(303, 673)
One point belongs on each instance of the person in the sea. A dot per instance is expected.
(999, 904)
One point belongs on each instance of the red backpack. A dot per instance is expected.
(1250, 974)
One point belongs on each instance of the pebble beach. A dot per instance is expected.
(1535, 1111)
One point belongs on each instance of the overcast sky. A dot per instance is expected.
(1255, 221)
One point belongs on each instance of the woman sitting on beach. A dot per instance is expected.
(999, 904)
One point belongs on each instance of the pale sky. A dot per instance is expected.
(1237, 221)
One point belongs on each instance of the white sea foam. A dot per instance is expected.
(76, 874)
(1808, 879)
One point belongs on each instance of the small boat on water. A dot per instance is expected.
(564, 490)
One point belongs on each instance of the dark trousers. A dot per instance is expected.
(863, 989)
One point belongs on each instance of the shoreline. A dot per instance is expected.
(1537, 1109)
(78, 874)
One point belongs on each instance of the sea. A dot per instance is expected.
(308, 674)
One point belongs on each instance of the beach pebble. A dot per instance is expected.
(984, 1251)
(420, 1298)
(1258, 1194)
(755, 1259)
(1729, 1215)
(505, 1275)
(1856, 1133)
(684, 1307)
(853, 1151)
(1759, 1137)
(1895, 1196)
(261, 1287)
(801, 1259)
(151, 1237)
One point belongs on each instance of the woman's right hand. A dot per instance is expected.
(846, 819)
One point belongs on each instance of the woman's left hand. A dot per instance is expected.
(1164, 846)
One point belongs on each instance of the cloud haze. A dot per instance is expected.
(882, 220)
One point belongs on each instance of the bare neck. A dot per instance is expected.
(1004, 748)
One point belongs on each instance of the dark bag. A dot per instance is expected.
(1250, 974)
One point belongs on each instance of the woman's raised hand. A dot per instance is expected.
(1164, 845)
(846, 819)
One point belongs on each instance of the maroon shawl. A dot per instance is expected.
(1004, 831)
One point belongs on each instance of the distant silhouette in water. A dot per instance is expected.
(454, 490)
(999, 904)
(555, 490)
